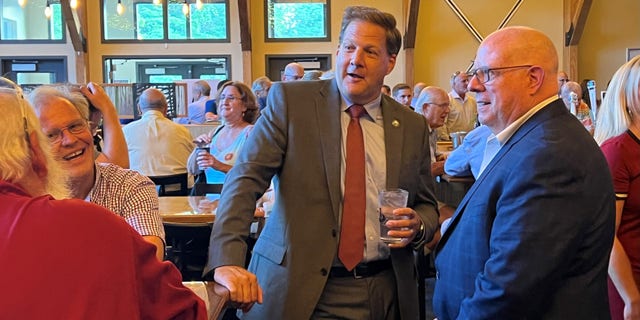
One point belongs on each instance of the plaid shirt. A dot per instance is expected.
(130, 195)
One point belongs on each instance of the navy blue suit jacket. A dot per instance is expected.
(531, 239)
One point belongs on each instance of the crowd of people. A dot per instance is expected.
(549, 229)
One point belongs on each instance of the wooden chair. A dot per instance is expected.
(175, 179)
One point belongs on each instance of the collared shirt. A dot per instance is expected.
(463, 114)
(157, 146)
(466, 159)
(375, 174)
(496, 141)
(130, 195)
(433, 144)
(195, 112)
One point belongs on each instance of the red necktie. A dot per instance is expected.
(351, 248)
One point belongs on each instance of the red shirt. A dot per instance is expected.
(68, 259)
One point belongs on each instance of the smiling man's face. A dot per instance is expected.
(74, 151)
(362, 61)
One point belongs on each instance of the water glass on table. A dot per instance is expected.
(388, 200)
(202, 147)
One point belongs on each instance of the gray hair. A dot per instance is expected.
(43, 93)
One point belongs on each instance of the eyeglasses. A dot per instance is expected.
(230, 98)
(15, 90)
(75, 128)
(441, 105)
(293, 76)
(485, 75)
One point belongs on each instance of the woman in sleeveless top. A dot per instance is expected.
(238, 111)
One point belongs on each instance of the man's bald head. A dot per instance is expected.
(524, 46)
(153, 99)
(515, 70)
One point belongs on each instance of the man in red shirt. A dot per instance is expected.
(70, 259)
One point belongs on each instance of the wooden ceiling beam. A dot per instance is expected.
(245, 30)
(75, 34)
(580, 13)
(412, 25)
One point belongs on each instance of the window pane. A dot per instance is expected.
(144, 20)
(149, 20)
(29, 22)
(177, 22)
(297, 19)
(164, 78)
(141, 20)
(209, 22)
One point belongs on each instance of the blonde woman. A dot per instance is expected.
(618, 134)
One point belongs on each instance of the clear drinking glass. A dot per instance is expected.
(388, 200)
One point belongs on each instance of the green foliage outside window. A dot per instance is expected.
(295, 19)
(207, 23)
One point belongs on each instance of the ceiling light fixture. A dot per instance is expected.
(22, 3)
(120, 8)
(47, 10)
(199, 4)
(185, 8)
(73, 4)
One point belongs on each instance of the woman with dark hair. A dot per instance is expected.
(238, 110)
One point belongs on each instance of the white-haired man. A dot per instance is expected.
(63, 115)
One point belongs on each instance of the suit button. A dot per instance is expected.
(323, 271)
(334, 233)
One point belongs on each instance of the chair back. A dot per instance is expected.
(175, 179)
(201, 189)
(187, 247)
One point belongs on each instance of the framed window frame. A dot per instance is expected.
(165, 26)
(327, 25)
(632, 52)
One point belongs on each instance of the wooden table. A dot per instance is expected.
(187, 209)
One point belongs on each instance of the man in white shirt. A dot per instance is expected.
(157, 146)
(463, 114)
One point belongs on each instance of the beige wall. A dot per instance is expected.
(444, 45)
(612, 27)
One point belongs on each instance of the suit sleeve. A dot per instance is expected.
(425, 203)
(257, 163)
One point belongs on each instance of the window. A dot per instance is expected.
(27, 22)
(297, 20)
(146, 20)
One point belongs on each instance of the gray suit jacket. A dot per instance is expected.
(297, 140)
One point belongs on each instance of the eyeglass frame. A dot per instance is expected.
(294, 76)
(440, 105)
(231, 98)
(58, 132)
(487, 71)
(17, 91)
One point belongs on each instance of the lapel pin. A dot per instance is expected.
(395, 123)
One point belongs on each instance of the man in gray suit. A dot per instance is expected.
(295, 271)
